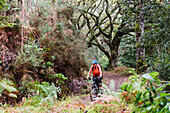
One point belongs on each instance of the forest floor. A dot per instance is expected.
(108, 76)
(111, 83)
(109, 102)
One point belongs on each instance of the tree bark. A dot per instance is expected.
(139, 28)
(22, 31)
(113, 59)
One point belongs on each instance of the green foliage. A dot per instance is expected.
(57, 49)
(104, 62)
(124, 71)
(24, 86)
(32, 56)
(157, 41)
(61, 40)
(7, 24)
(98, 108)
(147, 92)
(60, 78)
(160, 62)
(156, 32)
(44, 92)
(127, 51)
(9, 86)
(26, 65)
(5, 7)
(137, 27)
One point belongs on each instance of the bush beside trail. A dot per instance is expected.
(40, 61)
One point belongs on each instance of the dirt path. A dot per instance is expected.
(118, 80)
(84, 100)
(107, 78)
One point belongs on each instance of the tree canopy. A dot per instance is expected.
(105, 25)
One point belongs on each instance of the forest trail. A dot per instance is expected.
(83, 101)
(118, 80)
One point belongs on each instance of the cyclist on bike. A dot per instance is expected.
(97, 73)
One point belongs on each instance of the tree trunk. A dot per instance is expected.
(113, 59)
(22, 31)
(140, 67)
(139, 28)
(113, 62)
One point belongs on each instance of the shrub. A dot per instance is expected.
(7, 90)
(127, 50)
(124, 71)
(44, 92)
(146, 93)
(104, 62)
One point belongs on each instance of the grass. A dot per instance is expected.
(74, 104)
(69, 105)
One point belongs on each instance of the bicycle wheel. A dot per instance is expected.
(93, 93)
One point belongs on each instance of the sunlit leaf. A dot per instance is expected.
(12, 95)
(147, 76)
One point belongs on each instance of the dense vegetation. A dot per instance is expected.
(47, 46)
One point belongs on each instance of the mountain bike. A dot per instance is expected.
(94, 90)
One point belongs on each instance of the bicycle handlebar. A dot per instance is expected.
(89, 78)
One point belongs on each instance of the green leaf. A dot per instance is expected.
(163, 86)
(138, 96)
(124, 86)
(12, 95)
(129, 87)
(154, 74)
(153, 89)
(164, 94)
(49, 64)
(148, 88)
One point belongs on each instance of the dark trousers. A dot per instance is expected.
(97, 80)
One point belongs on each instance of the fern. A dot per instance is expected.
(8, 85)
(46, 92)
(32, 55)
(61, 78)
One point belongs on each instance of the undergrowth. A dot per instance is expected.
(68, 105)
(147, 93)
(71, 104)
(139, 94)
(124, 71)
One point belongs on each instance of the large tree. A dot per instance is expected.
(139, 29)
(149, 18)
(104, 25)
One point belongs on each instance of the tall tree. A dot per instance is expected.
(139, 29)
(150, 20)
(105, 26)
(22, 20)
(135, 17)
(157, 37)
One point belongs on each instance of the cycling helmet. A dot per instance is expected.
(94, 62)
